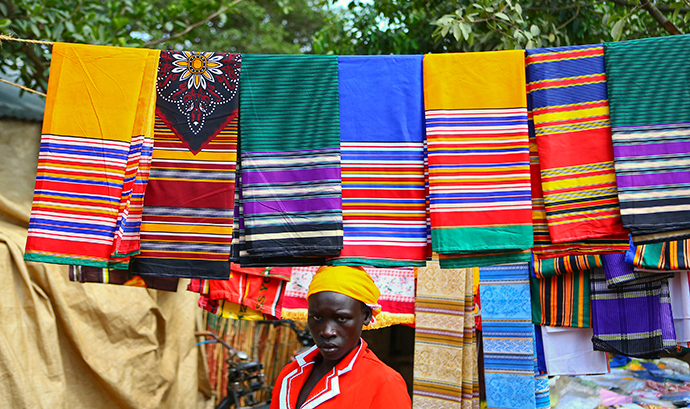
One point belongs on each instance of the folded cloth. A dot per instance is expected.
(542, 268)
(263, 294)
(187, 220)
(650, 122)
(629, 321)
(666, 256)
(567, 86)
(382, 151)
(88, 274)
(619, 273)
(477, 137)
(444, 332)
(290, 153)
(397, 286)
(568, 351)
(508, 336)
(98, 117)
(561, 300)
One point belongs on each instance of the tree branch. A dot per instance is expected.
(570, 20)
(659, 17)
(662, 7)
(639, 33)
(193, 26)
(572, 6)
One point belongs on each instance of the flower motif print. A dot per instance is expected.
(197, 68)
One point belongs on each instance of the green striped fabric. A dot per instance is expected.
(289, 102)
(649, 76)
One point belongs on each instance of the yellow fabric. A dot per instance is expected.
(448, 89)
(354, 282)
(90, 111)
(383, 319)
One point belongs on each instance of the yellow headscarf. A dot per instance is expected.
(352, 281)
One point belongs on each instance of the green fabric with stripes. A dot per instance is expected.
(289, 102)
(652, 77)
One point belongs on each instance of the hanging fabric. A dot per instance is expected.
(476, 125)
(224, 308)
(445, 334)
(568, 351)
(561, 300)
(631, 321)
(382, 161)
(567, 87)
(290, 153)
(98, 118)
(651, 133)
(679, 286)
(87, 274)
(666, 256)
(508, 337)
(187, 220)
(619, 273)
(397, 286)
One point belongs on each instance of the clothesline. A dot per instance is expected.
(23, 40)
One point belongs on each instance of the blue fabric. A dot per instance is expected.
(387, 98)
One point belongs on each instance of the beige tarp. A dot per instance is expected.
(71, 345)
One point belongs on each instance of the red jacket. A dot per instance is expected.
(359, 381)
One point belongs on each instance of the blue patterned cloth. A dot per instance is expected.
(510, 362)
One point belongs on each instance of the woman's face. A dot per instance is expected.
(335, 322)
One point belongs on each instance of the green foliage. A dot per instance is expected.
(253, 26)
(403, 27)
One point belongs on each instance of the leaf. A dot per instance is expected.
(552, 37)
(466, 30)
(502, 16)
(617, 29)
(530, 44)
(69, 26)
(518, 8)
(534, 30)
(687, 17)
(445, 30)
(3, 9)
(457, 33)
(169, 26)
(5, 22)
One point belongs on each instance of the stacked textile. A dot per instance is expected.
(567, 88)
(651, 134)
(290, 154)
(382, 161)
(97, 127)
(445, 370)
(476, 125)
(186, 228)
(397, 286)
(87, 274)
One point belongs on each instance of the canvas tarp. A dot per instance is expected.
(72, 345)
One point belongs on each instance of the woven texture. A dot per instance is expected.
(476, 125)
(567, 86)
(290, 153)
(561, 300)
(445, 371)
(650, 121)
(382, 160)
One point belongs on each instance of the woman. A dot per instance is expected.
(340, 371)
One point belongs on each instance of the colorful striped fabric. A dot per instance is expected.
(508, 337)
(651, 132)
(397, 286)
(98, 113)
(477, 136)
(571, 120)
(445, 333)
(290, 155)
(549, 267)
(562, 300)
(186, 229)
(543, 246)
(630, 321)
(620, 274)
(666, 256)
(382, 161)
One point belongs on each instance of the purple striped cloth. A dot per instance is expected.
(620, 274)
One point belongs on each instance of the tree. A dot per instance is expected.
(402, 27)
(252, 26)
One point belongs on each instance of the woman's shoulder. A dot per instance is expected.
(379, 369)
